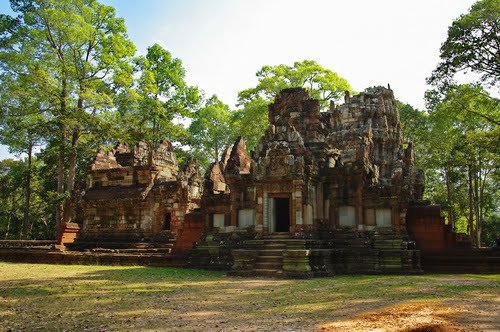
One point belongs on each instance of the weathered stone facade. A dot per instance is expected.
(324, 192)
(333, 180)
(341, 169)
(138, 194)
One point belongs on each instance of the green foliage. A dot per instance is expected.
(63, 63)
(457, 144)
(251, 121)
(464, 141)
(472, 44)
(12, 193)
(211, 131)
(162, 99)
(414, 122)
(323, 84)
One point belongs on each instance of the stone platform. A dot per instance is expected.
(281, 255)
(472, 260)
(48, 256)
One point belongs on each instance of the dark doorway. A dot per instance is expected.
(167, 221)
(282, 214)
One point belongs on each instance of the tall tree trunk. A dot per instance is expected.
(481, 200)
(8, 229)
(449, 192)
(70, 184)
(155, 134)
(478, 197)
(31, 228)
(471, 204)
(9, 220)
(61, 170)
(60, 179)
(27, 191)
(476, 208)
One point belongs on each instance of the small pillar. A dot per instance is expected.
(347, 97)
(68, 233)
(332, 106)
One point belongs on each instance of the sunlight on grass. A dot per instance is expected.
(57, 297)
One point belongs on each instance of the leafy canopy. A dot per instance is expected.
(211, 130)
(473, 44)
(164, 97)
(323, 84)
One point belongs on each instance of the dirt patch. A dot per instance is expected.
(411, 317)
(429, 328)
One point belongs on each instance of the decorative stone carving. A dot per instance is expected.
(138, 194)
(351, 155)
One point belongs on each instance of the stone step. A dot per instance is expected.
(82, 245)
(122, 254)
(265, 241)
(278, 235)
(271, 246)
(271, 252)
(268, 266)
(269, 259)
(267, 272)
(133, 251)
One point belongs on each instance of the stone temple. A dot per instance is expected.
(324, 192)
(318, 171)
(137, 198)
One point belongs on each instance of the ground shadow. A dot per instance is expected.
(125, 298)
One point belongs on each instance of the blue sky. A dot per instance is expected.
(222, 43)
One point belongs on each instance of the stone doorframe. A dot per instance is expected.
(272, 212)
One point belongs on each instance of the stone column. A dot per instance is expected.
(234, 208)
(265, 212)
(334, 213)
(319, 202)
(358, 203)
(259, 209)
(298, 219)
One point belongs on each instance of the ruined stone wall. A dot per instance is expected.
(138, 193)
(368, 132)
(344, 168)
(120, 220)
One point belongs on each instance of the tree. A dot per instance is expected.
(211, 131)
(251, 121)
(24, 98)
(10, 216)
(472, 45)
(414, 123)
(323, 84)
(80, 51)
(164, 99)
(21, 129)
(465, 149)
(12, 213)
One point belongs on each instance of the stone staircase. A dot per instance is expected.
(275, 255)
(269, 261)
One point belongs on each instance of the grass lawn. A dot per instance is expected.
(124, 298)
